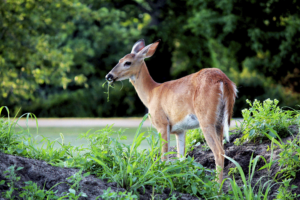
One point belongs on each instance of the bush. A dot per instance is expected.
(260, 117)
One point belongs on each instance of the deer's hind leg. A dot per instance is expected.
(208, 112)
(215, 144)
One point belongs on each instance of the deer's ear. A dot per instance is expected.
(149, 50)
(138, 46)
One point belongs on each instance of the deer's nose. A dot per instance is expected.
(109, 77)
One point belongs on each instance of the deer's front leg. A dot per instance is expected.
(165, 134)
(160, 121)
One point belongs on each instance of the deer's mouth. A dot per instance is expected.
(114, 80)
(110, 78)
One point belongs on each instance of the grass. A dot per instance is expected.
(267, 121)
(260, 117)
(132, 167)
(107, 157)
(71, 134)
(247, 191)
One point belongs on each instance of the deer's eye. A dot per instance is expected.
(127, 64)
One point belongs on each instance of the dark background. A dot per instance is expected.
(55, 54)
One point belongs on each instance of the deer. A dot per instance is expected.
(203, 99)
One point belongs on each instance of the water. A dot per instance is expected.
(71, 134)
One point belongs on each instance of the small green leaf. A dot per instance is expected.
(86, 174)
(19, 151)
(71, 190)
(252, 132)
(294, 187)
(19, 168)
(194, 189)
(296, 158)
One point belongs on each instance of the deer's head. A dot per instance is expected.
(129, 65)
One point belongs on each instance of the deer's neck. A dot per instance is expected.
(143, 84)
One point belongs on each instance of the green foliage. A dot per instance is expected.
(31, 190)
(12, 179)
(248, 192)
(194, 137)
(132, 168)
(76, 178)
(47, 47)
(117, 195)
(233, 171)
(265, 43)
(56, 156)
(252, 85)
(127, 165)
(54, 55)
(268, 165)
(284, 193)
(10, 141)
(289, 158)
(108, 86)
(260, 117)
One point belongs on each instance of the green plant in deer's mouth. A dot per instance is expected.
(108, 86)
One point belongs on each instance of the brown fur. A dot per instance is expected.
(170, 102)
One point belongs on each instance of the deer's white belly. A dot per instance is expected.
(189, 122)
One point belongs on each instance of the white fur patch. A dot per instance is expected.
(132, 78)
(189, 122)
(225, 125)
(223, 101)
(235, 89)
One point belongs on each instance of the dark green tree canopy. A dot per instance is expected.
(54, 54)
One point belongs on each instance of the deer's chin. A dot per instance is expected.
(121, 79)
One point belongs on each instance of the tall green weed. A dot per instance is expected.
(260, 116)
(133, 169)
(247, 191)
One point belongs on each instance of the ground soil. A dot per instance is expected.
(47, 176)
(242, 154)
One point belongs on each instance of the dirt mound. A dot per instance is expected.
(46, 176)
(242, 154)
